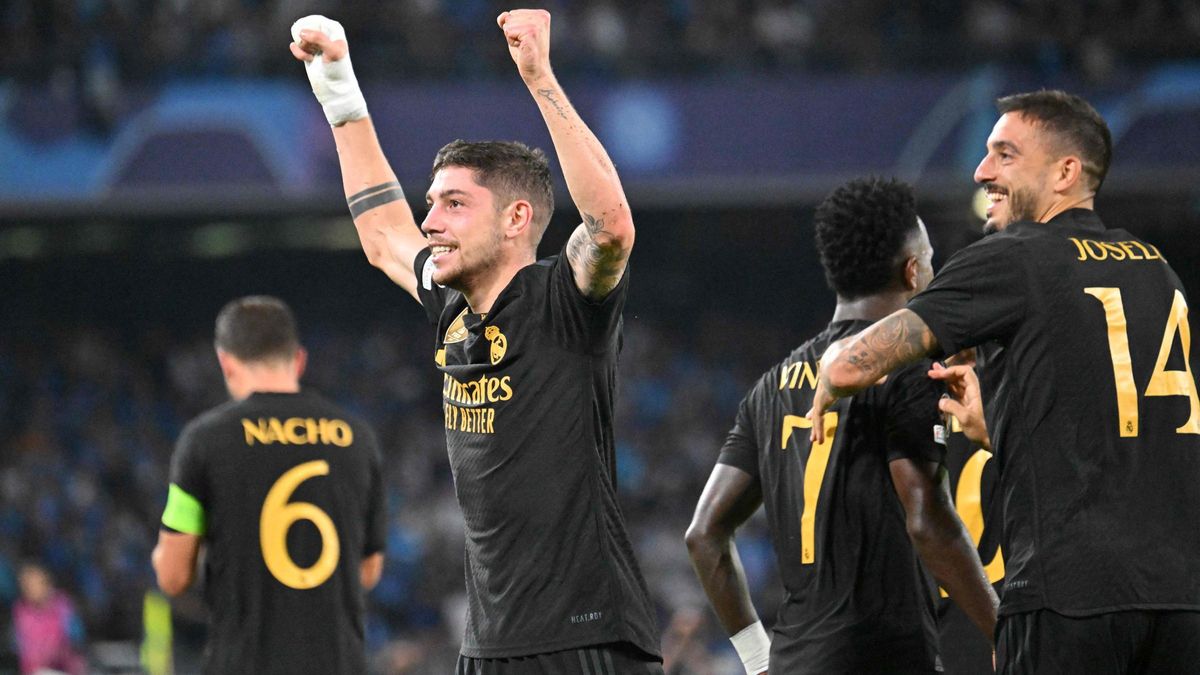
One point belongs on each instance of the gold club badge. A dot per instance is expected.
(499, 343)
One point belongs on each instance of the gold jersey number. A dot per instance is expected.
(814, 475)
(1163, 382)
(968, 501)
(278, 515)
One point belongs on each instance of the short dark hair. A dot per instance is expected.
(257, 328)
(862, 228)
(1072, 120)
(511, 170)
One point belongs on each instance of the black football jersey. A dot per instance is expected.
(1095, 419)
(528, 395)
(292, 500)
(856, 597)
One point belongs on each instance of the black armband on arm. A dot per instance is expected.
(372, 197)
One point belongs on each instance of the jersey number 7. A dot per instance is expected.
(814, 475)
(1163, 382)
(278, 515)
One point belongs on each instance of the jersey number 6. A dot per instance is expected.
(1163, 382)
(814, 475)
(277, 518)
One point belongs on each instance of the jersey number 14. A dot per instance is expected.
(1163, 382)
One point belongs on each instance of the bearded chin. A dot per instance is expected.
(1022, 206)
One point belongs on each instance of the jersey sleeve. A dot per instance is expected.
(376, 521)
(741, 443)
(433, 297)
(580, 323)
(979, 295)
(187, 494)
(914, 423)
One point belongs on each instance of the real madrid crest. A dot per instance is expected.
(499, 343)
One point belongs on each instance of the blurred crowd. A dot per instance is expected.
(88, 416)
(103, 51)
(140, 40)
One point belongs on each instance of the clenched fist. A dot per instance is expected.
(320, 43)
(528, 35)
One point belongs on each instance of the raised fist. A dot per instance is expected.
(320, 43)
(528, 35)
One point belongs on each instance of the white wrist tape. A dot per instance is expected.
(332, 81)
(754, 647)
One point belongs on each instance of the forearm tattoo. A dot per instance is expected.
(894, 341)
(374, 197)
(590, 249)
(549, 95)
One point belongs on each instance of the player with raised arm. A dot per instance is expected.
(1095, 420)
(284, 490)
(528, 353)
(851, 515)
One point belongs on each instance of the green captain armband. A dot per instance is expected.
(184, 513)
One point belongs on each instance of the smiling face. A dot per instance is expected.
(464, 228)
(1016, 173)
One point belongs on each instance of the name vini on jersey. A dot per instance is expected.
(799, 375)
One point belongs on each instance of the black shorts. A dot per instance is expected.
(619, 658)
(1134, 641)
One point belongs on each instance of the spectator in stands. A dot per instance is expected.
(48, 632)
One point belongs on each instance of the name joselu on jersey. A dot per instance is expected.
(1090, 249)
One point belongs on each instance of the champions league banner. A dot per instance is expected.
(724, 141)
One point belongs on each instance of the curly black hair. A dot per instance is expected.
(862, 228)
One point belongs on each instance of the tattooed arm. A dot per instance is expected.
(890, 343)
(599, 248)
(386, 227)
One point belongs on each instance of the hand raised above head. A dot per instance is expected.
(331, 75)
(528, 35)
(316, 35)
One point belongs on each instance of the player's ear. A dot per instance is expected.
(300, 361)
(1068, 174)
(518, 218)
(228, 363)
(912, 271)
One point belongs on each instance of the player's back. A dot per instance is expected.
(1096, 424)
(1114, 462)
(857, 599)
(292, 494)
